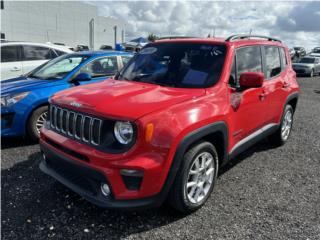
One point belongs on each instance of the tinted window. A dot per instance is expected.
(273, 65)
(283, 57)
(10, 54)
(177, 65)
(101, 67)
(31, 53)
(248, 60)
(125, 59)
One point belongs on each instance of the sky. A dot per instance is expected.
(296, 23)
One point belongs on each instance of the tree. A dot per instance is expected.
(152, 37)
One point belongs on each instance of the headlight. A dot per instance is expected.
(9, 100)
(123, 131)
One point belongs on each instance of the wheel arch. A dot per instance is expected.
(216, 133)
(292, 100)
(30, 114)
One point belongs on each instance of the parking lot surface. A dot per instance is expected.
(265, 193)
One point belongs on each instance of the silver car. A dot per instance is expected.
(307, 66)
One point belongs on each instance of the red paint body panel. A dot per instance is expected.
(174, 112)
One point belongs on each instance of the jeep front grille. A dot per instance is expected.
(76, 125)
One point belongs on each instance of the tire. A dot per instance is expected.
(188, 199)
(279, 138)
(311, 73)
(37, 117)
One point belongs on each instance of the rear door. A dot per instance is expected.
(11, 65)
(276, 81)
(33, 56)
(247, 105)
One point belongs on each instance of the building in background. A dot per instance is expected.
(68, 22)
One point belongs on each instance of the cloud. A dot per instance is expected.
(304, 18)
(297, 23)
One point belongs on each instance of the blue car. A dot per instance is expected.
(24, 100)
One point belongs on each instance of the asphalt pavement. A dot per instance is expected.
(264, 193)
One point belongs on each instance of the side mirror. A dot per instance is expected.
(251, 79)
(82, 77)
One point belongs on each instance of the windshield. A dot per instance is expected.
(176, 65)
(59, 67)
(307, 60)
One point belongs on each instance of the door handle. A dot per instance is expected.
(262, 96)
(286, 85)
(15, 69)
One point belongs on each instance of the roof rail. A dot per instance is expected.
(248, 36)
(175, 37)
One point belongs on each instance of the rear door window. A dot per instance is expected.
(248, 60)
(33, 53)
(100, 67)
(273, 64)
(10, 54)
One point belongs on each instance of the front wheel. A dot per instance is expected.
(36, 122)
(281, 136)
(196, 178)
(312, 73)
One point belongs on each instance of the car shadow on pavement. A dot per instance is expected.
(36, 206)
(13, 142)
(258, 147)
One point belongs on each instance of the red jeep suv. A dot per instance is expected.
(162, 128)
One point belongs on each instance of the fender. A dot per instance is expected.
(187, 141)
(294, 95)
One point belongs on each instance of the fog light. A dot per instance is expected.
(105, 189)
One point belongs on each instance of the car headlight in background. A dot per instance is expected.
(9, 100)
(123, 131)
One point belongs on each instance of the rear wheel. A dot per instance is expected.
(281, 136)
(196, 178)
(36, 121)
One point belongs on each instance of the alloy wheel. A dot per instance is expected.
(200, 177)
(286, 125)
(41, 120)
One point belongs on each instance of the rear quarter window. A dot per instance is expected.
(273, 63)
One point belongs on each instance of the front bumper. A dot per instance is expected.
(86, 182)
(83, 169)
(12, 122)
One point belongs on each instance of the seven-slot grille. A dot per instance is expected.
(76, 125)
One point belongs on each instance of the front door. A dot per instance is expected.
(247, 105)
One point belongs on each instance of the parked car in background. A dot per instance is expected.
(292, 53)
(315, 52)
(300, 51)
(308, 65)
(18, 58)
(105, 47)
(162, 128)
(24, 100)
(81, 48)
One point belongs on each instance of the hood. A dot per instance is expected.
(123, 99)
(22, 83)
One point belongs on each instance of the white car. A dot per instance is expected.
(18, 58)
